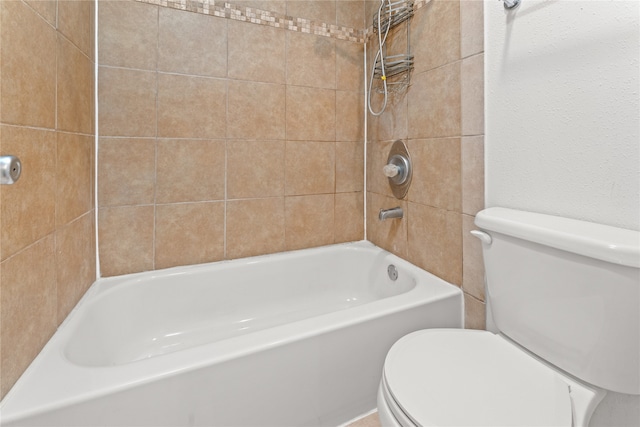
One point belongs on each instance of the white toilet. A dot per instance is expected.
(564, 296)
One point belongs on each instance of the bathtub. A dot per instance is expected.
(292, 339)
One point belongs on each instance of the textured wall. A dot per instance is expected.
(222, 139)
(563, 118)
(47, 235)
(440, 116)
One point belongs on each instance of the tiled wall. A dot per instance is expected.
(440, 115)
(47, 235)
(222, 139)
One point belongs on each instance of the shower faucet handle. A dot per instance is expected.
(390, 170)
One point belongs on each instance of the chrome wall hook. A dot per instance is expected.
(10, 169)
(511, 4)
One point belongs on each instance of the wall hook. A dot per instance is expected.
(511, 4)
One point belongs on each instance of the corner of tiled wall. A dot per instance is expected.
(47, 241)
(441, 117)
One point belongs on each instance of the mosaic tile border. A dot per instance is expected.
(262, 17)
(227, 10)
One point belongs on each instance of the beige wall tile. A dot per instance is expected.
(190, 171)
(255, 227)
(191, 107)
(390, 234)
(309, 221)
(189, 233)
(28, 316)
(474, 313)
(28, 65)
(472, 174)
(434, 103)
(349, 217)
(255, 169)
(472, 261)
(349, 167)
(436, 173)
(256, 52)
(125, 239)
(76, 22)
(311, 60)
(372, 128)
(311, 114)
(471, 27)
(47, 9)
(192, 43)
(435, 241)
(126, 102)
(276, 6)
(256, 110)
(349, 116)
(126, 171)
(349, 66)
(392, 124)
(75, 89)
(350, 13)
(370, 7)
(74, 176)
(472, 89)
(28, 206)
(75, 263)
(309, 167)
(127, 34)
(435, 34)
(315, 10)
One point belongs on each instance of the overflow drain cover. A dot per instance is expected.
(392, 271)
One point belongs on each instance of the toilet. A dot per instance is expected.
(564, 299)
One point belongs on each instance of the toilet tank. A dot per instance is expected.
(568, 291)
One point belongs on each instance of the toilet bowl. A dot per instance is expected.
(457, 377)
(564, 298)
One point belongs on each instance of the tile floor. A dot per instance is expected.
(371, 420)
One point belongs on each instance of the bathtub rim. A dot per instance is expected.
(53, 364)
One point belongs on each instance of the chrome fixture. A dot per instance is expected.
(396, 212)
(398, 169)
(10, 168)
(392, 271)
(511, 4)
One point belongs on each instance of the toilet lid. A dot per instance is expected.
(457, 377)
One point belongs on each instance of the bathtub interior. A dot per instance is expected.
(142, 316)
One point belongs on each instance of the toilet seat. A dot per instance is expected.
(456, 377)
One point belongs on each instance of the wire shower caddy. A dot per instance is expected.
(397, 67)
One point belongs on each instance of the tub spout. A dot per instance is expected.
(396, 212)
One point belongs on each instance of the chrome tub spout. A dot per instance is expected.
(396, 212)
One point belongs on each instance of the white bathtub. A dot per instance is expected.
(293, 339)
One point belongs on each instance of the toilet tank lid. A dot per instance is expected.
(599, 241)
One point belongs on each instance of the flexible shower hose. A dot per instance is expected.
(381, 42)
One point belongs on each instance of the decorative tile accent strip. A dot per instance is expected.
(262, 17)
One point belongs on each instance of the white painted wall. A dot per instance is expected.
(563, 118)
(562, 109)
